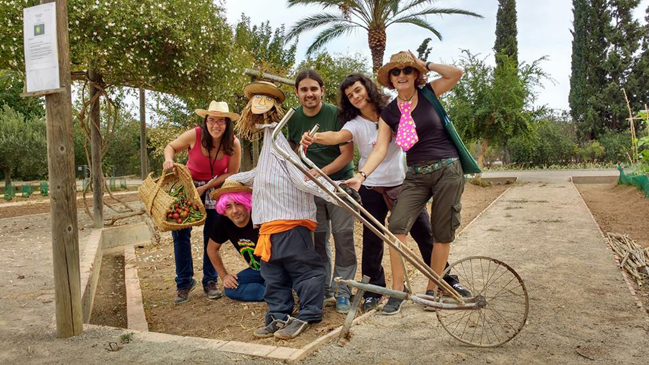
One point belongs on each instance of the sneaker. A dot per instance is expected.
(461, 290)
(370, 303)
(329, 301)
(270, 329)
(292, 329)
(392, 307)
(211, 291)
(182, 295)
(342, 305)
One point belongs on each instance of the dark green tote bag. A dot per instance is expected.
(469, 165)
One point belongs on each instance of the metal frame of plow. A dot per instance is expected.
(347, 202)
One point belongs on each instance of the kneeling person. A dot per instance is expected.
(234, 203)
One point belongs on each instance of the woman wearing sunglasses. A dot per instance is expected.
(433, 168)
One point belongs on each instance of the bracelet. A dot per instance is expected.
(428, 65)
(364, 175)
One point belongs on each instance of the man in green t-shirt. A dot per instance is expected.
(335, 161)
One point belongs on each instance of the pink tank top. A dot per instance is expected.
(199, 164)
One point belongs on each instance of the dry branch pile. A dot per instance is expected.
(633, 257)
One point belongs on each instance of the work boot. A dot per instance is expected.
(270, 329)
(211, 291)
(292, 329)
(182, 295)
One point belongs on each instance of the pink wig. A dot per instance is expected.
(242, 198)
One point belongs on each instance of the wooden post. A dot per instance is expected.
(60, 159)
(95, 152)
(144, 161)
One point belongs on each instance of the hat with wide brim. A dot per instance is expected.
(230, 186)
(398, 60)
(218, 109)
(263, 88)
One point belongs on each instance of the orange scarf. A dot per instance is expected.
(278, 226)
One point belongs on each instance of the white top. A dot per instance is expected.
(392, 170)
(279, 191)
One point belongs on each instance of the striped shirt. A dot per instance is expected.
(279, 191)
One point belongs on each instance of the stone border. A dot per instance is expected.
(615, 258)
(135, 317)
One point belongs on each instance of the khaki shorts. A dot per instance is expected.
(445, 186)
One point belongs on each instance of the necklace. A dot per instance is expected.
(215, 157)
(410, 98)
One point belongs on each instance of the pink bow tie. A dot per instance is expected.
(407, 132)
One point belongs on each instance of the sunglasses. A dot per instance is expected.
(397, 71)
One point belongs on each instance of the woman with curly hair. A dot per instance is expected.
(361, 103)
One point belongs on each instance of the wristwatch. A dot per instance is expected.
(428, 65)
(364, 175)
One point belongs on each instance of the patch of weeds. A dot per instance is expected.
(508, 215)
(126, 337)
(481, 183)
(511, 207)
(492, 229)
(557, 220)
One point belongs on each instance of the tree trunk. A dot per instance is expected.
(144, 160)
(95, 151)
(7, 171)
(481, 156)
(376, 38)
(506, 155)
(63, 206)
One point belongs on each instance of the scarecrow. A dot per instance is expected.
(284, 209)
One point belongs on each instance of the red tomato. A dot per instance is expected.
(179, 220)
(176, 216)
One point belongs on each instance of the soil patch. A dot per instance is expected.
(43, 205)
(109, 307)
(225, 319)
(620, 209)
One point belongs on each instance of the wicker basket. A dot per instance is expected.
(157, 201)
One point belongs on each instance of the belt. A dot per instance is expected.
(427, 169)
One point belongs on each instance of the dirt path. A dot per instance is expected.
(581, 310)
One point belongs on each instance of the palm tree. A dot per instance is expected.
(372, 15)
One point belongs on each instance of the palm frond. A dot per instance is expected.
(420, 22)
(324, 3)
(415, 3)
(328, 34)
(315, 21)
(446, 11)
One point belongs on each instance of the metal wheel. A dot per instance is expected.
(503, 303)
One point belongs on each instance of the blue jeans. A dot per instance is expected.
(251, 287)
(183, 254)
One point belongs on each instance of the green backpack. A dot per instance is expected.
(469, 165)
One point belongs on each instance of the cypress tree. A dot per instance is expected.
(577, 97)
(641, 69)
(506, 31)
(624, 41)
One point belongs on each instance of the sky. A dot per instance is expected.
(543, 30)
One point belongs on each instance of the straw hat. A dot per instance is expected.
(230, 186)
(264, 88)
(218, 109)
(398, 60)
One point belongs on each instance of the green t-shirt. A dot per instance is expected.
(320, 154)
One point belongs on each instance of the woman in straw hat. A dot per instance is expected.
(433, 169)
(361, 103)
(214, 154)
